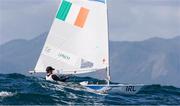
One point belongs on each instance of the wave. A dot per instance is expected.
(17, 89)
(4, 94)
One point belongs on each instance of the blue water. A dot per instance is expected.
(17, 89)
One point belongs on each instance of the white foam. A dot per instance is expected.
(5, 94)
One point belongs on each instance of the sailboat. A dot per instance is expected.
(78, 43)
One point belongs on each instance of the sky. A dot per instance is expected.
(129, 20)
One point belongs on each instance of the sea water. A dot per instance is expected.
(17, 89)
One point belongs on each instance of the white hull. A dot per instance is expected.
(128, 89)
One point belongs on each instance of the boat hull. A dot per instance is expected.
(129, 89)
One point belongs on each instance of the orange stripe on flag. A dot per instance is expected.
(81, 18)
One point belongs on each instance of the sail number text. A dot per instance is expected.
(130, 89)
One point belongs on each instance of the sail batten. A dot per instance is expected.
(78, 38)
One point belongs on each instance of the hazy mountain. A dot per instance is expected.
(151, 61)
(20, 55)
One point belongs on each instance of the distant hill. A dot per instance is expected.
(155, 60)
(20, 55)
(151, 61)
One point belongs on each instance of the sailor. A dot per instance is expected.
(53, 77)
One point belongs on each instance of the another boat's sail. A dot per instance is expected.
(78, 39)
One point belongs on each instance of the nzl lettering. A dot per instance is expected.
(130, 89)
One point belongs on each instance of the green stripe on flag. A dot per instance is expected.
(64, 10)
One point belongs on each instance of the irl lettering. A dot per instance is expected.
(130, 89)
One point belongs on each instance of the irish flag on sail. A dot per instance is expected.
(78, 39)
(73, 14)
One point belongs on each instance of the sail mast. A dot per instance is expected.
(108, 68)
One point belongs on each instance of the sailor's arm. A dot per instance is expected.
(56, 78)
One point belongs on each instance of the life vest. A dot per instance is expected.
(49, 77)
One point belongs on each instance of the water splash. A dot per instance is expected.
(4, 94)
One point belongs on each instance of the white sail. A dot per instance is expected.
(78, 39)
